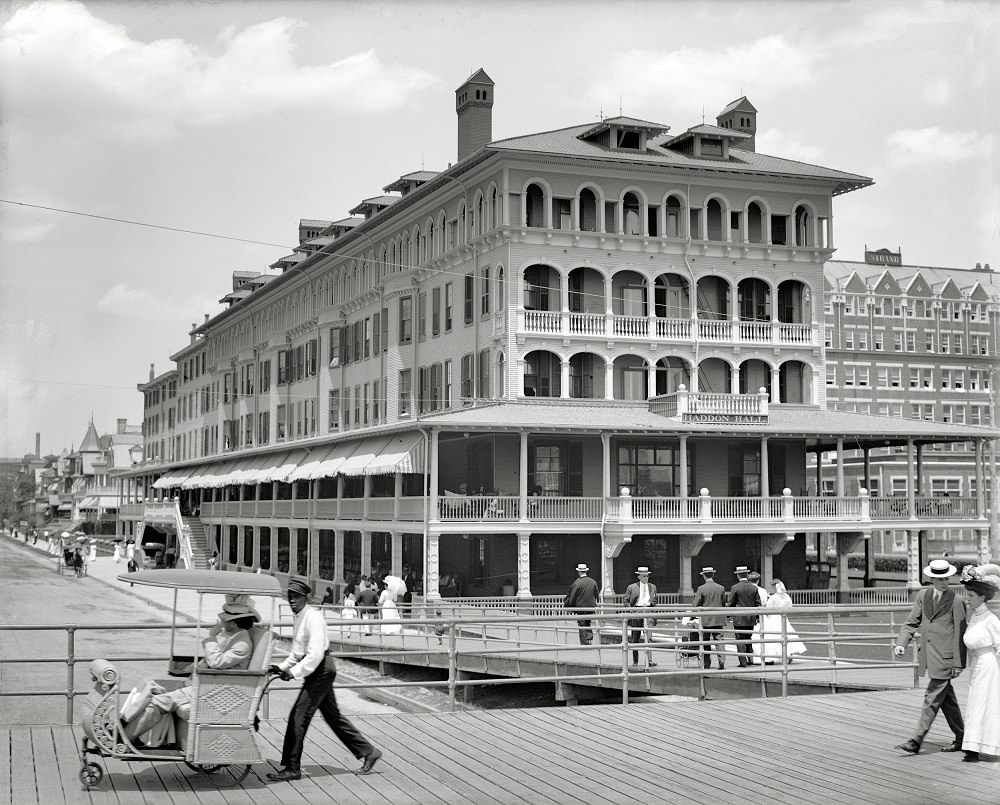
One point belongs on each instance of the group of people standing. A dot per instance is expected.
(758, 639)
(954, 634)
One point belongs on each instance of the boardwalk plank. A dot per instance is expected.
(805, 750)
(23, 790)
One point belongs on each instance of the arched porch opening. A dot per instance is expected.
(631, 378)
(587, 376)
(542, 374)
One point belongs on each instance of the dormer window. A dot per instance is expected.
(630, 140)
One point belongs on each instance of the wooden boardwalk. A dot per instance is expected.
(804, 750)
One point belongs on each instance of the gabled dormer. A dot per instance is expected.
(623, 133)
(409, 182)
(373, 206)
(708, 142)
(343, 226)
(310, 228)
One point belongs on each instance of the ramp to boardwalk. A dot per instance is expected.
(805, 750)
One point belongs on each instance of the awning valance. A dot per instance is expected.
(280, 469)
(87, 503)
(98, 502)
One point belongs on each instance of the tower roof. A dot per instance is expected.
(91, 442)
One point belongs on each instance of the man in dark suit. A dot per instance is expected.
(711, 595)
(582, 599)
(368, 605)
(938, 614)
(641, 594)
(744, 594)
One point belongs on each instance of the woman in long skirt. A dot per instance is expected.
(767, 632)
(982, 639)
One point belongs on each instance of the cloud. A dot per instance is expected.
(60, 63)
(788, 146)
(770, 63)
(131, 302)
(932, 146)
(937, 91)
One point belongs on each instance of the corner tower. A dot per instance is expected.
(474, 106)
(740, 115)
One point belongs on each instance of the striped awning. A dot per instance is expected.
(404, 453)
(172, 479)
(310, 464)
(281, 468)
(331, 465)
(202, 476)
(362, 457)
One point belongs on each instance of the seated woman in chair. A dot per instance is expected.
(228, 646)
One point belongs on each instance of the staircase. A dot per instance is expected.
(200, 549)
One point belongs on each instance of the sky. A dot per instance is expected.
(233, 120)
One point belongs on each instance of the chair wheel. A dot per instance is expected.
(91, 774)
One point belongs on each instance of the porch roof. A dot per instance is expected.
(819, 428)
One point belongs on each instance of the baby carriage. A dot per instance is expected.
(689, 646)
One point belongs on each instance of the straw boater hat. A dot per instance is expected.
(643, 570)
(742, 570)
(708, 571)
(582, 568)
(232, 612)
(940, 569)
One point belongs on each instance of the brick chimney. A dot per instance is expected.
(474, 105)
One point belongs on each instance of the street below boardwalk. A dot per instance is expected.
(32, 591)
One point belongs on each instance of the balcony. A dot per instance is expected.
(667, 330)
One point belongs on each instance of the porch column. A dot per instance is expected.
(397, 553)
(684, 469)
(434, 483)
(911, 503)
(982, 536)
(338, 554)
(981, 478)
(765, 476)
(770, 546)
(523, 564)
(847, 543)
(366, 553)
(564, 304)
(819, 473)
(867, 458)
(564, 375)
(397, 488)
(606, 468)
(367, 495)
(776, 378)
(840, 468)
(651, 369)
(913, 558)
(918, 487)
(609, 370)
(432, 573)
(522, 480)
(689, 546)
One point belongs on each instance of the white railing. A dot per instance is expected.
(788, 333)
(587, 323)
(709, 330)
(542, 321)
(673, 329)
(381, 508)
(699, 402)
(826, 508)
(758, 332)
(631, 326)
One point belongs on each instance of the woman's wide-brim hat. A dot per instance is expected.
(940, 569)
(582, 568)
(232, 612)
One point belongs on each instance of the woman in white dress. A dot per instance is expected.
(389, 611)
(769, 629)
(982, 639)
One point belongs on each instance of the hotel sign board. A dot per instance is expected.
(725, 419)
(883, 257)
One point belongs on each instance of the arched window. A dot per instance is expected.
(534, 206)
(588, 211)
(631, 209)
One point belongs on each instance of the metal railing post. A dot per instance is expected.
(70, 665)
(784, 656)
(452, 667)
(624, 660)
(831, 649)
